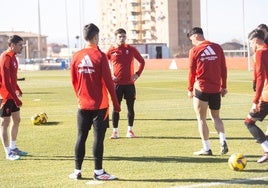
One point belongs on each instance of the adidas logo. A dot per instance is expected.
(208, 54)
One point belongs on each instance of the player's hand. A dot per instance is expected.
(135, 77)
(190, 94)
(223, 92)
(254, 108)
(18, 93)
(115, 79)
(117, 108)
(18, 103)
(254, 85)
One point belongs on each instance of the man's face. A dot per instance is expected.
(121, 38)
(252, 44)
(17, 48)
(193, 39)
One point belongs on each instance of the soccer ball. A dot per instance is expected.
(43, 117)
(39, 119)
(237, 162)
(36, 119)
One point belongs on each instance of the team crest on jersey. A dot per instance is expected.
(208, 54)
(127, 51)
(86, 65)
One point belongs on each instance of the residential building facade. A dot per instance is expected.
(150, 21)
(31, 50)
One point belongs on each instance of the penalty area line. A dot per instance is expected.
(222, 183)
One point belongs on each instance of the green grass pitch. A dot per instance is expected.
(161, 156)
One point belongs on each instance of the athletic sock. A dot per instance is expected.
(222, 137)
(99, 172)
(130, 128)
(206, 145)
(115, 130)
(264, 146)
(77, 171)
(12, 145)
(7, 150)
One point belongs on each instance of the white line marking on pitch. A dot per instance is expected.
(221, 183)
(94, 182)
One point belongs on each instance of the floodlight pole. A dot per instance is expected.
(39, 32)
(67, 27)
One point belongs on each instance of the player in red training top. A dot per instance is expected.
(9, 97)
(259, 109)
(121, 57)
(207, 83)
(91, 78)
(264, 28)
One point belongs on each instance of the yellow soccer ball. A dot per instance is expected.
(43, 117)
(237, 162)
(36, 119)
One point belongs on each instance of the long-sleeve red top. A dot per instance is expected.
(122, 61)
(8, 77)
(261, 74)
(207, 69)
(91, 78)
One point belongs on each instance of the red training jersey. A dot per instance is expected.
(261, 74)
(122, 62)
(8, 77)
(91, 77)
(207, 69)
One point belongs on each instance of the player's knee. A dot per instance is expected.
(249, 122)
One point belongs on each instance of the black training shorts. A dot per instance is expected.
(213, 99)
(8, 108)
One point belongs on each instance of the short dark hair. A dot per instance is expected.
(262, 26)
(90, 31)
(195, 30)
(256, 33)
(15, 39)
(120, 31)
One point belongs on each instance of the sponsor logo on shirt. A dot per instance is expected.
(208, 54)
(115, 54)
(86, 66)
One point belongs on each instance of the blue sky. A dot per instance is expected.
(222, 20)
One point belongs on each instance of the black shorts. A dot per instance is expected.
(98, 118)
(213, 99)
(262, 113)
(126, 91)
(8, 108)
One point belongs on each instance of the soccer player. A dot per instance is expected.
(121, 57)
(259, 109)
(264, 28)
(9, 98)
(206, 85)
(91, 78)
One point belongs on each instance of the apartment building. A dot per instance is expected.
(31, 50)
(150, 22)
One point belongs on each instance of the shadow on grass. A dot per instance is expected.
(171, 159)
(217, 181)
(50, 123)
(188, 137)
(185, 119)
